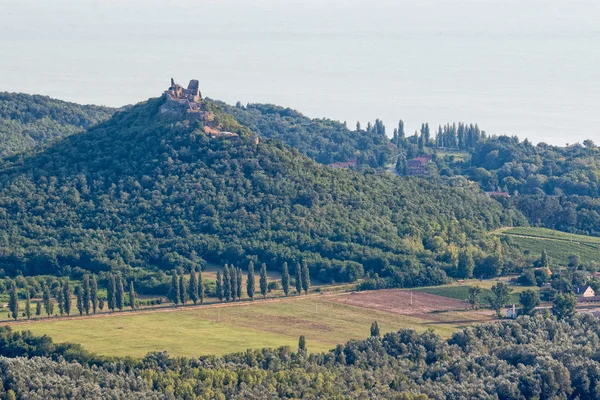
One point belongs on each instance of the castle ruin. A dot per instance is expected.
(182, 101)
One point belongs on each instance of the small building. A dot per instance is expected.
(512, 312)
(418, 166)
(585, 291)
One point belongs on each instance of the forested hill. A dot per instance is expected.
(323, 140)
(145, 191)
(29, 120)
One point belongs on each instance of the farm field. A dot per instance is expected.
(558, 245)
(460, 290)
(325, 320)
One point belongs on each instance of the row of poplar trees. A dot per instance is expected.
(229, 284)
(87, 300)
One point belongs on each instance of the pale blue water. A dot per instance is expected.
(527, 67)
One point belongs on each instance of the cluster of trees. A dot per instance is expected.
(59, 293)
(27, 121)
(324, 140)
(532, 357)
(146, 192)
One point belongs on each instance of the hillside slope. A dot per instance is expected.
(323, 140)
(26, 120)
(148, 191)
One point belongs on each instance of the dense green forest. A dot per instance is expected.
(141, 190)
(530, 358)
(323, 140)
(30, 120)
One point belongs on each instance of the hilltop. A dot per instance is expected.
(27, 121)
(155, 191)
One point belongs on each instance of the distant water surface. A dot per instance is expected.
(522, 67)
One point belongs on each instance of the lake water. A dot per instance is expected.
(526, 67)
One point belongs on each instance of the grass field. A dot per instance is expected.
(218, 330)
(558, 245)
(460, 290)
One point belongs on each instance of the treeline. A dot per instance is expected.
(324, 140)
(27, 121)
(142, 194)
(532, 357)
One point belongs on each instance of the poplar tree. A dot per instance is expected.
(38, 308)
(285, 279)
(13, 303)
(298, 279)
(375, 330)
(48, 303)
(226, 283)
(302, 345)
(174, 291)
(233, 279)
(66, 288)
(112, 293)
(86, 294)
(94, 293)
(200, 286)
(120, 293)
(219, 288)
(79, 294)
(239, 283)
(193, 291)
(182, 289)
(305, 278)
(263, 280)
(250, 281)
(28, 306)
(131, 295)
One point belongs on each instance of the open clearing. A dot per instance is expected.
(460, 290)
(324, 320)
(558, 245)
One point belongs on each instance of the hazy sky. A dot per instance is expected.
(526, 67)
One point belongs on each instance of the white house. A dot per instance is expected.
(512, 312)
(585, 291)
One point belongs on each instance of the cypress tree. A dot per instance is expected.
(226, 283)
(239, 283)
(120, 293)
(48, 303)
(285, 279)
(302, 345)
(193, 291)
(112, 293)
(67, 296)
(263, 280)
(182, 289)
(94, 293)
(28, 306)
(60, 300)
(200, 286)
(86, 294)
(219, 288)
(233, 279)
(79, 294)
(131, 295)
(305, 278)
(13, 303)
(298, 279)
(375, 329)
(250, 281)
(38, 308)
(174, 292)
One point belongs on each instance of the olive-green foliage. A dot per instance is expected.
(27, 121)
(323, 140)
